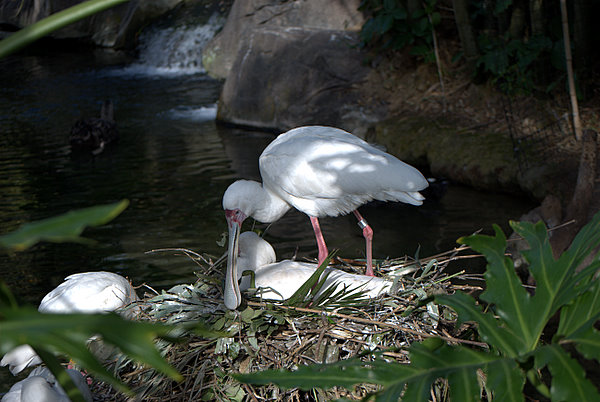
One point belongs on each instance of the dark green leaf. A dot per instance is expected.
(505, 380)
(505, 291)
(568, 377)
(68, 334)
(311, 286)
(581, 313)
(66, 227)
(489, 328)
(587, 343)
(419, 390)
(464, 385)
(61, 375)
(344, 374)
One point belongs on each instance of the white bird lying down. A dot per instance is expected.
(280, 280)
(87, 292)
(41, 386)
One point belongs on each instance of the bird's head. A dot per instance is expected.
(238, 206)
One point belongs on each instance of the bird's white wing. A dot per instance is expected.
(20, 358)
(89, 292)
(335, 170)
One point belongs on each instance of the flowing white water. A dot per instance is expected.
(197, 114)
(173, 51)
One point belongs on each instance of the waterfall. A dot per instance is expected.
(172, 51)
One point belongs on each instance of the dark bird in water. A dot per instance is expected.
(93, 134)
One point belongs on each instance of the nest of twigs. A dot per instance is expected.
(264, 335)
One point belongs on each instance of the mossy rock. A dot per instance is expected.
(481, 159)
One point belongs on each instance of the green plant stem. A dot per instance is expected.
(539, 386)
(56, 21)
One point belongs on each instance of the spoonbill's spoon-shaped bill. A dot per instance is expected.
(321, 171)
(280, 280)
(87, 292)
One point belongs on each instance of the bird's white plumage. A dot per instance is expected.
(19, 358)
(326, 171)
(87, 292)
(41, 386)
(323, 171)
(280, 280)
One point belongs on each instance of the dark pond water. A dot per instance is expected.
(173, 163)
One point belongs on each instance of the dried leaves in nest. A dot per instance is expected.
(216, 342)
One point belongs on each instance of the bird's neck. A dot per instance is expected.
(271, 207)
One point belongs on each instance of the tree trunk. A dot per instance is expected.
(537, 17)
(578, 209)
(570, 75)
(582, 35)
(465, 32)
(517, 21)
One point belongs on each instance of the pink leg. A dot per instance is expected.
(368, 235)
(320, 240)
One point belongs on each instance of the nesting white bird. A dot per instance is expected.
(321, 171)
(280, 280)
(41, 386)
(87, 292)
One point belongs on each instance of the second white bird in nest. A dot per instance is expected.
(87, 292)
(280, 280)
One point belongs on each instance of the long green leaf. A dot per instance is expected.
(556, 280)
(568, 377)
(577, 282)
(419, 389)
(56, 21)
(60, 374)
(68, 334)
(504, 289)
(464, 385)
(490, 329)
(587, 342)
(345, 373)
(311, 286)
(505, 380)
(65, 227)
(582, 313)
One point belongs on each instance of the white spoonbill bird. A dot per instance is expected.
(87, 292)
(321, 171)
(41, 385)
(280, 280)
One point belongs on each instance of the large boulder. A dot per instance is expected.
(292, 63)
(245, 16)
(115, 27)
(288, 77)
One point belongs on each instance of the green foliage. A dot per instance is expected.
(62, 228)
(56, 21)
(392, 25)
(68, 334)
(512, 325)
(511, 63)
